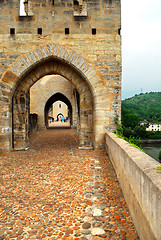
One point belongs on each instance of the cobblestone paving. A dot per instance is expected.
(56, 191)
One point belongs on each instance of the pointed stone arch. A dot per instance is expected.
(54, 59)
(50, 85)
(57, 97)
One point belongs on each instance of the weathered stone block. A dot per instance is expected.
(73, 58)
(6, 130)
(80, 62)
(5, 114)
(16, 70)
(32, 57)
(21, 65)
(62, 52)
(26, 60)
(115, 70)
(68, 55)
(49, 48)
(38, 54)
(55, 49)
(116, 105)
(44, 51)
(9, 79)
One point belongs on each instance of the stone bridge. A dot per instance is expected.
(80, 42)
(55, 190)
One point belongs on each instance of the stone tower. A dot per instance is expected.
(78, 40)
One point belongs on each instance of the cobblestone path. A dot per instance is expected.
(56, 191)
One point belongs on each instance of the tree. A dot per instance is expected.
(130, 119)
(127, 132)
(140, 132)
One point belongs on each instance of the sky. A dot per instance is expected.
(22, 11)
(141, 46)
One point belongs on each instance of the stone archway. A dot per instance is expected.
(53, 59)
(44, 89)
(60, 114)
(53, 99)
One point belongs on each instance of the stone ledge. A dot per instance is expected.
(141, 185)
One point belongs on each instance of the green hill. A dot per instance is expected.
(143, 106)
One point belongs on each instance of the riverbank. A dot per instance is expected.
(153, 141)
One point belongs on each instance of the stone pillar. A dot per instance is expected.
(20, 118)
(76, 109)
(86, 120)
(85, 133)
(5, 118)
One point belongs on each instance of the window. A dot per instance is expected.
(39, 31)
(93, 31)
(59, 105)
(12, 31)
(66, 30)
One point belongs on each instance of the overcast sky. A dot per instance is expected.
(141, 46)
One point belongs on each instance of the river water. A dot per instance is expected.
(152, 149)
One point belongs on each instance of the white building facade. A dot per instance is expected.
(154, 127)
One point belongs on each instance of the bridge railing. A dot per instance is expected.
(140, 183)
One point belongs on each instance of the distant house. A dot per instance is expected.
(153, 127)
(144, 123)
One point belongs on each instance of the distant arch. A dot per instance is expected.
(60, 114)
(54, 98)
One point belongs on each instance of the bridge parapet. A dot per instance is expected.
(140, 183)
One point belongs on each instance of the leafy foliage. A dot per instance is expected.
(154, 135)
(129, 118)
(143, 106)
(138, 108)
(158, 168)
(132, 140)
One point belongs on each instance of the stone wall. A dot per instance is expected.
(88, 41)
(102, 49)
(140, 183)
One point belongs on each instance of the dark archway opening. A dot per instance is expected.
(57, 97)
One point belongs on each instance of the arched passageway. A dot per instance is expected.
(56, 97)
(21, 108)
(44, 89)
(28, 69)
